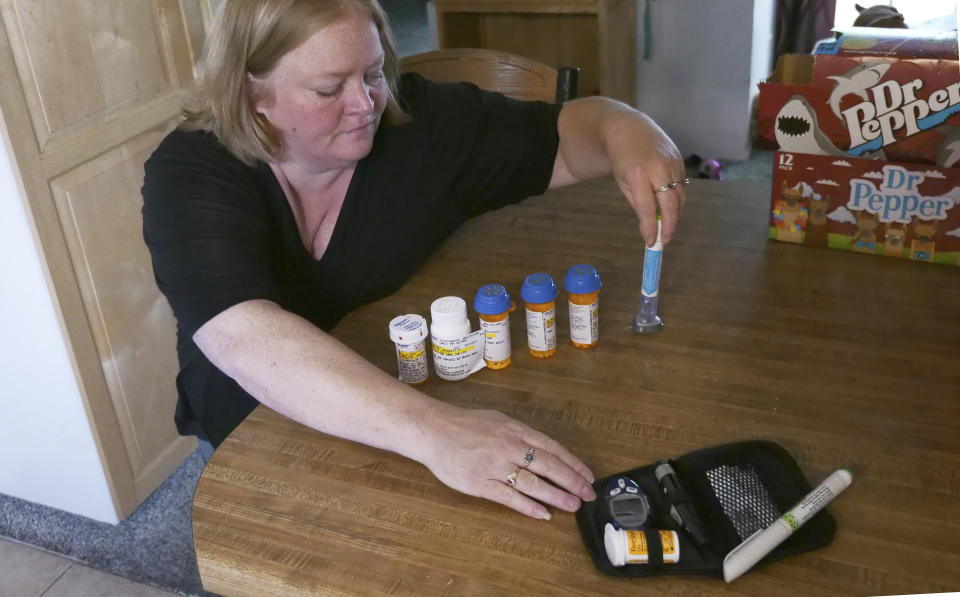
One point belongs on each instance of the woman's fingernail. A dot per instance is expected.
(588, 493)
(545, 515)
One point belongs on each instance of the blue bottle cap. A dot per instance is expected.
(538, 288)
(492, 299)
(582, 279)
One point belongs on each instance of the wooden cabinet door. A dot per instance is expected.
(89, 89)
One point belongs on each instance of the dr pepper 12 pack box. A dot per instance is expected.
(868, 145)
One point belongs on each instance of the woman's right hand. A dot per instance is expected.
(473, 451)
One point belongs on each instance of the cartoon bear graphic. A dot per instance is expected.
(894, 239)
(924, 233)
(864, 239)
(790, 215)
(817, 222)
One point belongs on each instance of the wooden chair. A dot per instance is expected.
(512, 75)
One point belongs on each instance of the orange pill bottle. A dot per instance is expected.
(539, 293)
(493, 304)
(582, 284)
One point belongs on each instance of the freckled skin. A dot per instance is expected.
(325, 98)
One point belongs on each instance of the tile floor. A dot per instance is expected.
(26, 571)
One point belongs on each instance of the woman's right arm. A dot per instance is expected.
(296, 369)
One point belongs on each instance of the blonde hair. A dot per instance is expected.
(250, 36)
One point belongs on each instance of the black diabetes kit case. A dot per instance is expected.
(735, 490)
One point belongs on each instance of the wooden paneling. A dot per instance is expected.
(617, 57)
(553, 41)
(89, 90)
(99, 208)
(599, 36)
(82, 61)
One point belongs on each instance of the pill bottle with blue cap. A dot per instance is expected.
(582, 284)
(539, 292)
(409, 333)
(493, 304)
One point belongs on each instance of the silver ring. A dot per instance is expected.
(673, 185)
(512, 477)
(528, 459)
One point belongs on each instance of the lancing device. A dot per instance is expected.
(681, 511)
(759, 544)
(647, 321)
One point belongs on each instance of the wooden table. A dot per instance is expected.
(844, 359)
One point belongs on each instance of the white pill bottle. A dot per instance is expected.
(409, 334)
(457, 352)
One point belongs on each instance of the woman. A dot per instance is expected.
(308, 179)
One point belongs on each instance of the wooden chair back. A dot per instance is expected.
(512, 75)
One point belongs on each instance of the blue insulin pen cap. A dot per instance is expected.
(492, 299)
(538, 288)
(582, 279)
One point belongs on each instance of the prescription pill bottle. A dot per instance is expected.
(409, 334)
(538, 293)
(582, 283)
(494, 306)
(630, 546)
(457, 352)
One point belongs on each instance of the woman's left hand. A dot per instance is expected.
(599, 136)
(650, 171)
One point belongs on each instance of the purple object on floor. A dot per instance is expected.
(710, 169)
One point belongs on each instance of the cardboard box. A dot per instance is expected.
(867, 146)
(909, 211)
(905, 110)
(891, 43)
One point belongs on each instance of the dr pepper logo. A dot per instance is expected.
(889, 107)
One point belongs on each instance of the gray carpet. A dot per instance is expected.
(155, 545)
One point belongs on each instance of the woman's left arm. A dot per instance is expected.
(600, 136)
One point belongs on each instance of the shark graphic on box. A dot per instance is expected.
(881, 107)
(797, 131)
(855, 81)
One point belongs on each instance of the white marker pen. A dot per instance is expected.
(759, 544)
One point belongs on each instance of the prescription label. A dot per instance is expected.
(456, 359)
(542, 329)
(412, 362)
(651, 272)
(496, 339)
(585, 322)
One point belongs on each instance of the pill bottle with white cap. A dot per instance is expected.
(539, 292)
(582, 283)
(457, 352)
(494, 306)
(630, 546)
(409, 334)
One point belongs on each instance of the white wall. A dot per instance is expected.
(47, 452)
(701, 76)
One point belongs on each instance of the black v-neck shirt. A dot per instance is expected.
(221, 232)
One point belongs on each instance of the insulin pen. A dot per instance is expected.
(759, 544)
(647, 321)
